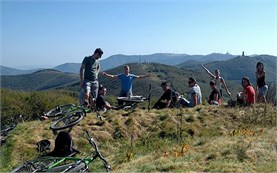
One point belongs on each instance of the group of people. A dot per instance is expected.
(249, 94)
(90, 87)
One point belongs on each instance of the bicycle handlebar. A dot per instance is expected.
(98, 154)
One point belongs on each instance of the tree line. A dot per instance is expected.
(31, 104)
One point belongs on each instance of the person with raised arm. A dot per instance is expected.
(219, 81)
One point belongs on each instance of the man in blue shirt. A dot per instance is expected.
(126, 80)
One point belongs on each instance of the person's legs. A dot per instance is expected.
(262, 94)
(87, 90)
(122, 94)
(184, 102)
(82, 96)
(94, 92)
(159, 105)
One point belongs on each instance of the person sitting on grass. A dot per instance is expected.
(195, 95)
(101, 103)
(169, 98)
(249, 95)
(219, 81)
(215, 96)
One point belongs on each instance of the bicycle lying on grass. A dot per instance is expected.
(68, 115)
(64, 164)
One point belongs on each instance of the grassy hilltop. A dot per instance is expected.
(201, 139)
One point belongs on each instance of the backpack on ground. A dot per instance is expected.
(63, 146)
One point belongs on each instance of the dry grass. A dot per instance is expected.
(202, 139)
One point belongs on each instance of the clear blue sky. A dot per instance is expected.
(49, 33)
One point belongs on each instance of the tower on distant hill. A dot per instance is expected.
(242, 53)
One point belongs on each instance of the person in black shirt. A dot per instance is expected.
(261, 86)
(101, 103)
(168, 99)
(215, 96)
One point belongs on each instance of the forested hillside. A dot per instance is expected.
(40, 80)
(158, 72)
(238, 67)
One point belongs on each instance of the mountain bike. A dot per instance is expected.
(68, 115)
(64, 164)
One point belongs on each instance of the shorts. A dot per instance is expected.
(263, 90)
(91, 87)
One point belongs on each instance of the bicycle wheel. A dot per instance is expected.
(69, 120)
(38, 165)
(59, 110)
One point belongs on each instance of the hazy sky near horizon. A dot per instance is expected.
(47, 33)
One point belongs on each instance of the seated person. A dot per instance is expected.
(168, 100)
(215, 96)
(249, 94)
(101, 103)
(195, 95)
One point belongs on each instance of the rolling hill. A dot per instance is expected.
(118, 60)
(40, 80)
(52, 79)
(161, 58)
(12, 71)
(238, 67)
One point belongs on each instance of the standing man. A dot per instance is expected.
(89, 76)
(126, 80)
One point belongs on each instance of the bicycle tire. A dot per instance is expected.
(69, 120)
(26, 167)
(59, 110)
(37, 165)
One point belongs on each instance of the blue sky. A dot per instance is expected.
(46, 33)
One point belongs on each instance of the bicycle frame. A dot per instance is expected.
(60, 164)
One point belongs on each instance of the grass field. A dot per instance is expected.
(201, 139)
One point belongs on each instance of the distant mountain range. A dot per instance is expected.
(231, 69)
(53, 79)
(118, 60)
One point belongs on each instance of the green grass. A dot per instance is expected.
(201, 139)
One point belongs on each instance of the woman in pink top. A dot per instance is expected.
(248, 91)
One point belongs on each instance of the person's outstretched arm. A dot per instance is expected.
(225, 86)
(212, 75)
(109, 75)
(108, 105)
(143, 76)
